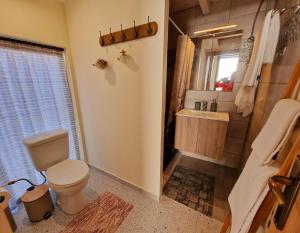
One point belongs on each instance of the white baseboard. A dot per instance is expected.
(125, 182)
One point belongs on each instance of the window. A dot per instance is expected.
(220, 70)
(34, 97)
(227, 66)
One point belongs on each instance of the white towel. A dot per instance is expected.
(276, 130)
(248, 193)
(263, 52)
(272, 41)
(251, 188)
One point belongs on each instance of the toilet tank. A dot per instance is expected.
(48, 148)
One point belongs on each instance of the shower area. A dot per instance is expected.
(209, 47)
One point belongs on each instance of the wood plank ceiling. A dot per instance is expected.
(179, 5)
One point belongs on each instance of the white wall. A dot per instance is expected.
(122, 106)
(44, 22)
(34, 20)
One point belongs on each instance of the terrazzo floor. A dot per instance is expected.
(148, 215)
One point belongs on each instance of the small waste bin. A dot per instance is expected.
(7, 221)
(38, 203)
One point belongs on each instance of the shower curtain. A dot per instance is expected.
(181, 81)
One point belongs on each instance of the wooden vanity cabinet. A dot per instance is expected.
(200, 136)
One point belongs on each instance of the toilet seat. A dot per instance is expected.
(67, 173)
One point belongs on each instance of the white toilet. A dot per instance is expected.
(49, 152)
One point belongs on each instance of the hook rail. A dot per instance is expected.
(133, 33)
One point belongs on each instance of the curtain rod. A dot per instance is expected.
(31, 43)
(175, 25)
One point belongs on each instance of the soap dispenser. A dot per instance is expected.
(213, 106)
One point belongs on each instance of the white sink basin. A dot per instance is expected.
(218, 116)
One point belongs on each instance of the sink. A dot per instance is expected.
(218, 116)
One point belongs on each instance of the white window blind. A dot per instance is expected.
(34, 97)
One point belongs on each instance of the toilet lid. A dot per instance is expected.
(67, 172)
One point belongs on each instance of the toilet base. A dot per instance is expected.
(71, 204)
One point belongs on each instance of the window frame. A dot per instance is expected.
(72, 87)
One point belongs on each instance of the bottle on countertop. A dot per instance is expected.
(204, 105)
(213, 106)
(197, 105)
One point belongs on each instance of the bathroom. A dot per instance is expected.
(122, 116)
(212, 73)
(203, 93)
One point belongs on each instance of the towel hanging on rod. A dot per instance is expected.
(263, 53)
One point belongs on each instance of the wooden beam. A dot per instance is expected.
(204, 5)
(293, 81)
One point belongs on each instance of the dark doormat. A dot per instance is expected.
(191, 188)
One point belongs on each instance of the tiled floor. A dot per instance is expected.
(225, 179)
(147, 216)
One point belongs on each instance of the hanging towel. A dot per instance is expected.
(279, 127)
(272, 41)
(263, 52)
(248, 193)
(251, 188)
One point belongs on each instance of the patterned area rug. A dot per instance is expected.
(104, 215)
(191, 188)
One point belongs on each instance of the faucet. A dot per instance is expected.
(204, 105)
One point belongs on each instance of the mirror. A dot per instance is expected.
(215, 61)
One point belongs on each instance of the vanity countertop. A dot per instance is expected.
(218, 116)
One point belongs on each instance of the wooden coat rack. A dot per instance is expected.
(133, 33)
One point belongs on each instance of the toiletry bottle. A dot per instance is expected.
(204, 105)
(197, 105)
(213, 106)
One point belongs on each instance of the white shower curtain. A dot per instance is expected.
(180, 83)
(182, 74)
(34, 97)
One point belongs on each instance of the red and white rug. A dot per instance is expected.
(103, 215)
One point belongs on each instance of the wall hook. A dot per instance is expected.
(101, 40)
(135, 33)
(149, 31)
(123, 55)
(100, 64)
(123, 34)
(112, 39)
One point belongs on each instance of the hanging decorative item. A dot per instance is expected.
(101, 64)
(246, 49)
(247, 44)
(133, 33)
(123, 56)
(290, 30)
